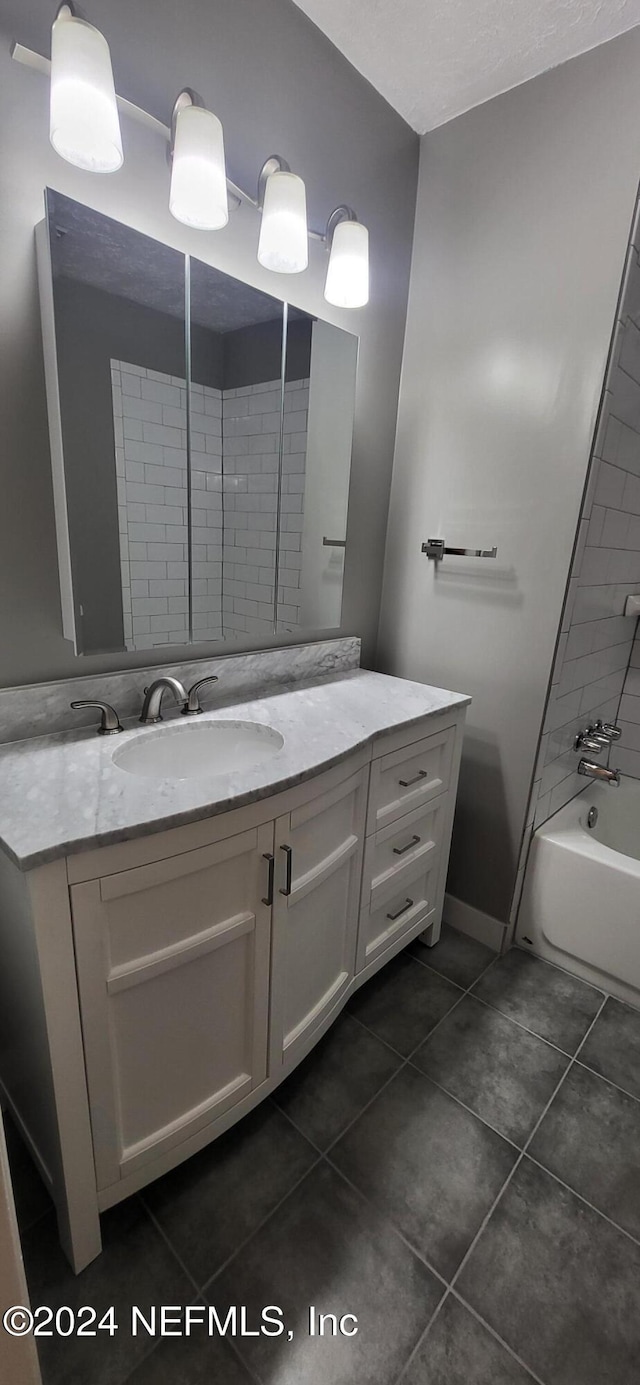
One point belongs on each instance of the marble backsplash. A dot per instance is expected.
(40, 709)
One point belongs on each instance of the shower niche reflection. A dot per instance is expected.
(201, 436)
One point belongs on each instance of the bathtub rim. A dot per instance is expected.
(564, 831)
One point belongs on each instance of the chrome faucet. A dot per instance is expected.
(593, 771)
(154, 694)
(190, 700)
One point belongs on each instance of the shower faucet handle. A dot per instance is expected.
(608, 730)
(586, 740)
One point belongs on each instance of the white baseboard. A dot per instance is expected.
(483, 927)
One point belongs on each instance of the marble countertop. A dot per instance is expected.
(63, 793)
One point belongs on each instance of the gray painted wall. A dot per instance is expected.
(278, 85)
(524, 211)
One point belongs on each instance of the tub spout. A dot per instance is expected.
(593, 771)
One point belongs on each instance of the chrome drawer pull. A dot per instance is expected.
(269, 856)
(289, 855)
(403, 910)
(400, 850)
(405, 783)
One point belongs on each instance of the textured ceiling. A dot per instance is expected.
(434, 59)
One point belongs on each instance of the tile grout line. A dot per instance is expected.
(253, 1375)
(208, 1282)
(403, 1064)
(322, 1155)
(526, 1146)
(388, 1220)
(421, 1338)
(517, 947)
(155, 1346)
(519, 1025)
(616, 1225)
(163, 1234)
(463, 992)
(522, 1152)
(487, 1327)
(469, 1109)
(443, 974)
(451, 1287)
(610, 1082)
(459, 1299)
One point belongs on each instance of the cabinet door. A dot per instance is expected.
(315, 916)
(173, 967)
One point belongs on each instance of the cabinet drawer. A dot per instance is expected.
(410, 900)
(409, 778)
(400, 845)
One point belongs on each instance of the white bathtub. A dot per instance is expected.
(581, 900)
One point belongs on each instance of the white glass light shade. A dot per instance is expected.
(198, 194)
(84, 125)
(347, 283)
(284, 243)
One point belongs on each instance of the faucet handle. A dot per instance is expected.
(608, 729)
(110, 722)
(192, 706)
(588, 740)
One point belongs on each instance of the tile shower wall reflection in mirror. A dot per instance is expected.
(209, 430)
(234, 478)
(152, 506)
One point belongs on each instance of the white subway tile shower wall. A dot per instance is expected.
(234, 502)
(151, 464)
(597, 666)
(251, 433)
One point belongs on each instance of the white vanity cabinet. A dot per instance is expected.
(154, 990)
(173, 973)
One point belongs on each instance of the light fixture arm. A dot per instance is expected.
(187, 97)
(274, 164)
(38, 63)
(341, 213)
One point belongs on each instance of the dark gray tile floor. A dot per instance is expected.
(457, 1164)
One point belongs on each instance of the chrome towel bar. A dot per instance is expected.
(436, 549)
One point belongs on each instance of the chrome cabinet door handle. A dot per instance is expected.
(405, 783)
(269, 856)
(407, 905)
(289, 855)
(400, 850)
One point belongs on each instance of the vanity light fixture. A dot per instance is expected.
(284, 239)
(84, 125)
(85, 130)
(198, 192)
(347, 282)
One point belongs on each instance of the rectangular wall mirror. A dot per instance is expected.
(201, 436)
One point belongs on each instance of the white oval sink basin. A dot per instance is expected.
(191, 751)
